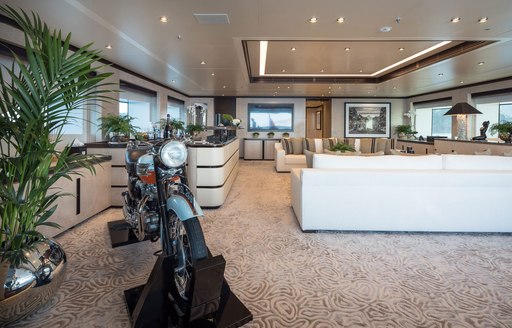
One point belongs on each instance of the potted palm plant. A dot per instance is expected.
(504, 131)
(36, 101)
(193, 130)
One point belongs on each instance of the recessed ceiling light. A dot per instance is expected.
(203, 62)
(360, 70)
(108, 46)
(323, 95)
(481, 63)
(394, 88)
(163, 19)
(223, 87)
(455, 19)
(278, 87)
(440, 74)
(328, 92)
(347, 49)
(178, 36)
(173, 81)
(212, 74)
(293, 48)
(461, 82)
(313, 20)
(401, 49)
(329, 88)
(321, 71)
(340, 20)
(283, 71)
(386, 29)
(288, 87)
(339, 87)
(483, 19)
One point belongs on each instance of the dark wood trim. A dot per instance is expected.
(431, 100)
(492, 93)
(463, 87)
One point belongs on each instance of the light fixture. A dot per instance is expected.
(223, 87)
(483, 19)
(401, 49)
(360, 70)
(340, 20)
(347, 49)
(173, 81)
(440, 74)
(283, 71)
(178, 36)
(278, 87)
(461, 82)
(321, 71)
(481, 63)
(385, 29)
(108, 46)
(163, 19)
(462, 110)
(212, 74)
(293, 48)
(313, 20)
(455, 19)
(203, 62)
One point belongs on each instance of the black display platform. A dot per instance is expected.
(150, 306)
(121, 234)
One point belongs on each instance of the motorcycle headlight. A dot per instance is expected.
(173, 154)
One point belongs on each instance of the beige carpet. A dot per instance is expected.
(292, 279)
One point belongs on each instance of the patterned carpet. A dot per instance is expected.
(292, 279)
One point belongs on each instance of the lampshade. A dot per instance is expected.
(462, 109)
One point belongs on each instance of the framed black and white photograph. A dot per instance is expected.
(367, 120)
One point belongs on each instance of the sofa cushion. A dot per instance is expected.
(287, 145)
(367, 145)
(327, 143)
(294, 159)
(309, 144)
(378, 153)
(318, 146)
(476, 162)
(297, 146)
(309, 158)
(425, 162)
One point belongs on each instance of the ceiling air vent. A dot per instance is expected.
(212, 18)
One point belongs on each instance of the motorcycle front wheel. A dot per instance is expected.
(189, 247)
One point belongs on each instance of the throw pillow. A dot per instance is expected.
(309, 158)
(367, 145)
(347, 153)
(297, 146)
(327, 143)
(309, 144)
(484, 152)
(287, 146)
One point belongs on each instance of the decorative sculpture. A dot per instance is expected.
(483, 130)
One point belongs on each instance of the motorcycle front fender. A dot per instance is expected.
(182, 208)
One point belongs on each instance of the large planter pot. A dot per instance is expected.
(31, 284)
(507, 137)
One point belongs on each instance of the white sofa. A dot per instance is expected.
(286, 162)
(452, 193)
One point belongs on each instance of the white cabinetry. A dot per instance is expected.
(86, 195)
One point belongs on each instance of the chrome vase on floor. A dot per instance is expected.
(29, 285)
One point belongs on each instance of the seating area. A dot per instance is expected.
(298, 152)
(445, 193)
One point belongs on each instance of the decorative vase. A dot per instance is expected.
(505, 136)
(31, 284)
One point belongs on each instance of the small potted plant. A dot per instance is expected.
(270, 134)
(341, 147)
(119, 127)
(504, 131)
(227, 120)
(255, 134)
(404, 131)
(193, 130)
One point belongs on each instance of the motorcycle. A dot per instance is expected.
(159, 206)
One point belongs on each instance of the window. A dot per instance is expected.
(270, 117)
(430, 119)
(176, 108)
(441, 124)
(495, 108)
(139, 103)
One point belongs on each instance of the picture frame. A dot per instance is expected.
(367, 120)
(318, 120)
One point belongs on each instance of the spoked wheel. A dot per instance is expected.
(188, 243)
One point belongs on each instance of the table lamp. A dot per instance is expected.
(462, 110)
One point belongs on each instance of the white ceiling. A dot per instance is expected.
(171, 53)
